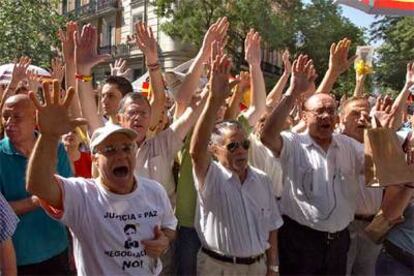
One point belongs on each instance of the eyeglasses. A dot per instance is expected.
(111, 150)
(233, 146)
(133, 113)
(321, 112)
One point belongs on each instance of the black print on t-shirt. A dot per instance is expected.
(130, 231)
(133, 251)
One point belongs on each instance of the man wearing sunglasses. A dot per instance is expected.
(320, 178)
(238, 216)
(98, 210)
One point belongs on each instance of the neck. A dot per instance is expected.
(122, 189)
(242, 175)
(323, 143)
(73, 152)
(359, 138)
(25, 147)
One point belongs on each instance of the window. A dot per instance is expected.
(136, 18)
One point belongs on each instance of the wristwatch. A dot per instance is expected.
(274, 268)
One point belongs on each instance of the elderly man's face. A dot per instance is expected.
(137, 116)
(320, 116)
(18, 117)
(115, 160)
(232, 153)
(111, 97)
(355, 118)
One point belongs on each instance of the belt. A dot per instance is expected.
(399, 254)
(231, 259)
(368, 218)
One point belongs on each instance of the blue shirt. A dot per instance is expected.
(402, 235)
(37, 237)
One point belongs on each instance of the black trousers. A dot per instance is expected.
(57, 265)
(305, 251)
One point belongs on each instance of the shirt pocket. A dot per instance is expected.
(263, 216)
(305, 174)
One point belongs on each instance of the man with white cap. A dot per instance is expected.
(120, 224)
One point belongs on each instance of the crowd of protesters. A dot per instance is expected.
(115, 182)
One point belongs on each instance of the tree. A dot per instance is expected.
(29, 27)
(283, 24)
(395, 52)
(189, 20)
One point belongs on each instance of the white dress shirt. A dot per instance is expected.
(235, 218)
(320, 187)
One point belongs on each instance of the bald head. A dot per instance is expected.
(21, 100)
(316, 100)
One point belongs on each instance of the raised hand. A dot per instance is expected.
(19, 70)
(286, 62)
(67, 40)
(53, 116)
(385, 114)
(219, 77)
(119, 68)
(409, 77)
(58, 69)
(303, 75)
(216, 32)
(158, 245)
(252, 48)
(86, 54)
(34, 80)
(146, 42)
(338, 59)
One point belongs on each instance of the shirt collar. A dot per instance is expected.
(8, 147)
(229, 174)
(308, 142)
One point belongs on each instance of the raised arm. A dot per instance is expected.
(219, 90)
(148, 45)
(276, 94)
(359, 84)
(86, 57)
(216, 32)
(338, 64)
(233, 109)
(302, 78)
(68, 50)
(54, 121)
(258, 96)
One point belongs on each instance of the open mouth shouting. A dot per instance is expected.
(121, 171)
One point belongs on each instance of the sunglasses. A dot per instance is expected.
(111, 150)
(233, 146)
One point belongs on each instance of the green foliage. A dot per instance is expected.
(395, 52)
(283, 24)
(29, 27)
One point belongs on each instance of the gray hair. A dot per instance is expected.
(132, 97)
(222, 127)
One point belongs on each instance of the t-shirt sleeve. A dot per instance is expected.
(74, 202)
(168, 219)
(8, 220)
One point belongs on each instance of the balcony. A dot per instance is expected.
(95, 8)
(120, 50)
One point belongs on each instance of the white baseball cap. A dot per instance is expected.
(100, 134)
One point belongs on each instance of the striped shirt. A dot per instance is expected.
(8, 220)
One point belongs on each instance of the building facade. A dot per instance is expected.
(115, 19)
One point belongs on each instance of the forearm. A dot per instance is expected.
(40, 175)
(171, 234)
(402, 98)
(7, 258)
(23, 206)
(395, 201)
(258, 96)
(276, 94)
(203, 129)
(233, 110)
(70, 71)
(328, 82)
(272, 254)
(87, 102)
(158, 96)
(275, 123)
(190, 83)
(359, 88)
